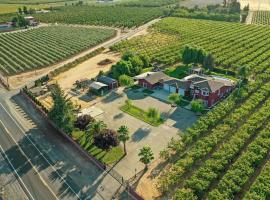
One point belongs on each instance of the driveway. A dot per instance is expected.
(141, 133)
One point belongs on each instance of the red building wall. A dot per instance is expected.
(215, 96)
(144, 83)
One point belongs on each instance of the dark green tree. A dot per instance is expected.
(136, 65)
(20, 11)
(62, 112)
(25, 11)
(146, 60)
(209, 62)
(234, 7)
(120, 68)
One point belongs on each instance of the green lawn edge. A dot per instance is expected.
(141, 115)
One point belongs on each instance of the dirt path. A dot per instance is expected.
(255, 5)
(18, 81)
(249, 17)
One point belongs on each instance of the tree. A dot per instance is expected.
(62, 112)
(14, 21)
(20, 11)
(146, 155)
(123, 136)
(136, 65)
(97, 127)
(121, 68)
(25, 11)
(209, 62)
(106, 139)
(197, 105)
(146, 60)
(83, 121)
(125, 80)
(128, 55)
(183, 194)
(175, 98)
(246, 8)
(21, 21)
(234, 7)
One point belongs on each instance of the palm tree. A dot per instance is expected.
(123, 136)
(97, 127)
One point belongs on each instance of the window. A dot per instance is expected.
(205, 93)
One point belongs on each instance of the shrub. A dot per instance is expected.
(125, 80)
(83, 121)
(106, 139)
(197, 105)
(153, 113)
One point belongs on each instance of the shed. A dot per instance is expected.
(98, 88)
(110, 82)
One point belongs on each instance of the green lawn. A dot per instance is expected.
(141, 115)
(107, 157)
(178, 72)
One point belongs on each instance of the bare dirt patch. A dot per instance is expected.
(86, 70)
(255, 5)
(148, 184)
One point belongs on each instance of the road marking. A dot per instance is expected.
(42, 180)
(39, 151)
(16, 173)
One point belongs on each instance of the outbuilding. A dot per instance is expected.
(110, 82)
(98, 88)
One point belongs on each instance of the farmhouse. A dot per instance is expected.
(210, 89)
(112, 83)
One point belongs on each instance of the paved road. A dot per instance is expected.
(31, 183)
(30, 162)
(65, 167)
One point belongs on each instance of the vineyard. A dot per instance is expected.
(41, 47)
(232, 44)
(117, 16)
(261, 18)
(225, 154)
(226, 149)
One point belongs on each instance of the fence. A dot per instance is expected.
(100, 165)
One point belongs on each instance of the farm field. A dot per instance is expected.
(41, 47)
(12, 8)
(117, 16)
(224, 155)
(232, 44)
(261, 18)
